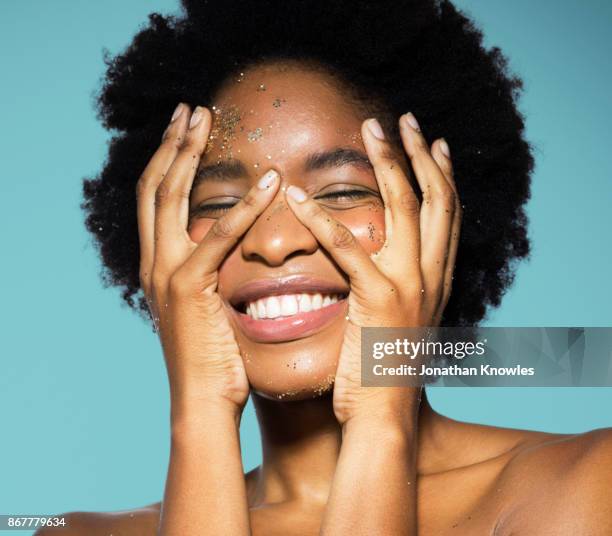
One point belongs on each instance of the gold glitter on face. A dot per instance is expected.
(255, 135)
(300, 113)
(354, 137)
(225, 122)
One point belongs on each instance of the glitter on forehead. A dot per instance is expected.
(224, 129)
(261, 87)
(355, 137)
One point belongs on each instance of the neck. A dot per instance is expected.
(301, 442)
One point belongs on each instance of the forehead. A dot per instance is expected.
(277, 109)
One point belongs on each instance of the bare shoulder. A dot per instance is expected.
(563, 483)
(137, 522)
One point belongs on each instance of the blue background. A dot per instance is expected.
(83, 393)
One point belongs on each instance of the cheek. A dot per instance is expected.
(367, 224)
(198, 229)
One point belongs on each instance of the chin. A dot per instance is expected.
(294, 370)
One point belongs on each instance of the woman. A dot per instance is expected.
(304, 188)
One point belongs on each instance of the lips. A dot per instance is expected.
(284, 309)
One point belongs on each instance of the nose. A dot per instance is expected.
(277, 235)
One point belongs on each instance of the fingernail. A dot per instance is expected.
(376, 129)
(444, 148)
(177, 111)
(267, 180)
(297, 194)
(195, 118)
(412, 122)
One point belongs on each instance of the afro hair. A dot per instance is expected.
(423, 56)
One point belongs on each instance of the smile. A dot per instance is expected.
(289, 305)
(282, 310)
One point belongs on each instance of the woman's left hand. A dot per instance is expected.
(406, 283)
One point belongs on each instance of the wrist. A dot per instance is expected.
(396, 413)
(188, 414)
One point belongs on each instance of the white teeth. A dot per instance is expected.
(273, 308)
(305, 303)
(288, 305)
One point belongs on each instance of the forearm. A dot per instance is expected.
(205, 490)
(374, 488)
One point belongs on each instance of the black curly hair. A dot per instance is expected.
(422, 56)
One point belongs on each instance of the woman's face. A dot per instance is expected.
(285, 296)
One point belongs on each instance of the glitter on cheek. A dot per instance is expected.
(371, 230)
(255, 135)
(261, 87)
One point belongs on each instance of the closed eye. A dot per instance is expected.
(211, 210)
(347, 194)
(214, 210)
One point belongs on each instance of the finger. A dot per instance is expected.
(172, 196)
(441, 154)
(336, 238)
(438, 204)
(147, 184)
(402, 209)
(227, 230)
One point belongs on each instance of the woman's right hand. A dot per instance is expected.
(179, 276)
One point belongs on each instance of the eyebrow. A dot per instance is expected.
(336, 158)
(227, 170)
(233, 169)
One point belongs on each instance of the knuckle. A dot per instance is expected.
(144, 184)
(250, 200)
(418, 148)
(420, 144)
(190, 144)
(178, 284)
(172, 139)
(222, 229)
(342, 238)
(447, 198)
(162, 193)
(410, 203)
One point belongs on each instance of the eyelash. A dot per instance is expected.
(350, 194)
